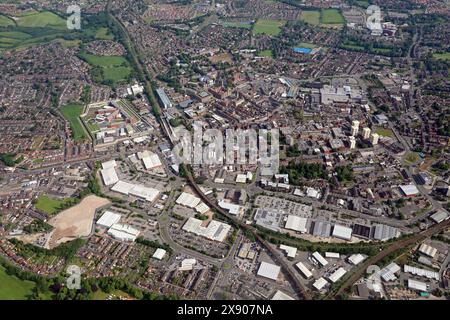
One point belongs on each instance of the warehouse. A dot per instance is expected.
(322, 229)
(202, 208)
(388, 272)
(108, 219)
(230, 207)
(150, 160)
(421, 272)
(123, 232)
(320, 283)
(215, 230)
(439, 216)
(356, 259)
(164, 98)
(290, 251)
(320, 259)
(188, 200)
(109, 164)
(332, 255)
(268, 270)
(304, 270)
(417, 285)
(109, 176)
(269, 219)
(409, 190)
(383, 232)
(280, 295)
(427, 250)
(335, 276)
(145, 193)
(159, 254)
(296, 223)
(342, 232)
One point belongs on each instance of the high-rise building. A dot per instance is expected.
(352, 143)
(366, 133)
(355, 128)
(374, 139)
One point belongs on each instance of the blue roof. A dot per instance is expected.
(302, 50)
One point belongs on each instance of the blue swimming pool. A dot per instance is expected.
(303, 50)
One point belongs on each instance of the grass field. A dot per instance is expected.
(49, 205)
(5, 21)
(385, 132)
(412, 157)
(41, 20)
(306, 45)
(442, 56)
(72, 114)
(103, 34)
(311, 17)
(265, 53)
(242, 25)
(12, 288)
(114, 68)
(331, 17)
(269, 27)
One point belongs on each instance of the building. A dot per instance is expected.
(188, 200)
(388, 272)
(159, 254)
(424, 178)
(108, 219)
(427, 250)
(352, 142)
(409, 190)
(269, 219)
(417, 285)
(296, 223)
(342, 232)
(355, 128)
(214, 230)
(366, 133)
(332, 255)
(280, 295)
(356, 259)
(439, 216)
(374, 137)
(320, 259)
(123, 232)
(322, 229)
(290, 251)
(383, 232)
(109, 176)
(268, 270)
(338, 274)
(230, 207)
(164, 98)
(421, 272)
(304, 270)
(320, 283)
(139, 191)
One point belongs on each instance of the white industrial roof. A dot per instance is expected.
(109, 176)
(188, 200)
(428, 250)
(159, 254)
(290, 251)
(188, 264)
(108, 219)
(202, 208)
(268, 270)
(388, 272)
(320, 258)
(215, 230)
(439, 216)
(146, 193)
(109, 164)
(123, 232)
(337, 275)
(409, 190)
(304, 270)
(320, 283)
(342, 232)
(421, 272)
(417, 285)
(231, 207)
(356, 259)
(151, 161)
(333, 255)
(241, 178)
(296, 223)
(280, 295)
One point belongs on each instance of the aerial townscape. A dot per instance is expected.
(98, 97)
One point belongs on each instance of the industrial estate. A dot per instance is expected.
(90, 176)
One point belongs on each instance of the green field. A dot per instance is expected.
(50, 205)
(72, 114)
(269, 27)
(442, 56)
(5, 21)
(331, 17)
(306, 45)
(311, 17)
(114, 69)
(242, 25)
(103, 34)
(385, 132)
(265, 53)
(41, 20)
(12, 288)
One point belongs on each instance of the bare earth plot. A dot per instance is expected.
(75, 222)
